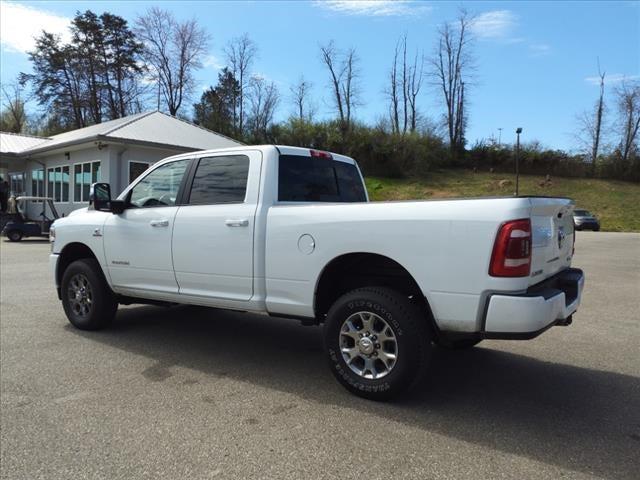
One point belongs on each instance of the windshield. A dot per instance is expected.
(581, 213)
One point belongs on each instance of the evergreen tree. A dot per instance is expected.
(96, 77)
(216, 106)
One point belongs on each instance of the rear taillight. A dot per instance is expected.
(320, 154)
(512, 250)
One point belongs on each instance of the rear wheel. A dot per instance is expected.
(376, 341)
(88, 301)
(14, 235)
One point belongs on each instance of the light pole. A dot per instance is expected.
(518, 132)
(499, 136)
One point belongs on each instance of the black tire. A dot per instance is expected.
(100, 308)
(411, 339)
(14, 235)
(462, 344)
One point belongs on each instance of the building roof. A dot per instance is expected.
(148, 128)
(16, 143)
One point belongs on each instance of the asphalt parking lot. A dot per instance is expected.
(194, 393)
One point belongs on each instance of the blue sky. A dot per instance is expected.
(536, 60)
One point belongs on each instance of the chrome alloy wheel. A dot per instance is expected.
(368, 345)
(80, 295)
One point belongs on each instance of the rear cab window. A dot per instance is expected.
(311, 179)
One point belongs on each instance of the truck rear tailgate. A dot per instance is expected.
(553, 236)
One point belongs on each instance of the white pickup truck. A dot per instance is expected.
(289, 232)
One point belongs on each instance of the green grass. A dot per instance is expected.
(616, 203)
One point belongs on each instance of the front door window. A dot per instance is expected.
(160, 187)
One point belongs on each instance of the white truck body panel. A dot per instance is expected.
(267, 256)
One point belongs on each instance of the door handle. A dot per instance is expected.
(159, 223)
(237, 222)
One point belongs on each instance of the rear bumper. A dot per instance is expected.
(527, 315)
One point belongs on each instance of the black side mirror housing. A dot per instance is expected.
(100, 198)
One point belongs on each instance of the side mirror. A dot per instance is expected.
(100, 198)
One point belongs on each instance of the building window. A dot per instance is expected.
(16, 183)
(136, 169)
(37, 182)
(84, 174)
(58, 183)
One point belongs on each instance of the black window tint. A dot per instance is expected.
(308, 179)
(220, 180)
(349, 183)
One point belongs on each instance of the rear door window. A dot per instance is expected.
(220, 180)
(309, 179)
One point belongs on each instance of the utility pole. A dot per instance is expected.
(518, 132)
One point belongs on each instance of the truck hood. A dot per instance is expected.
(78, 211)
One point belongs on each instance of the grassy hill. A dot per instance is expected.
(616, 203)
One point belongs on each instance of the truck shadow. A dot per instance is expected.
(576, 418)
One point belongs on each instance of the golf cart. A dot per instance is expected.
(21, 226)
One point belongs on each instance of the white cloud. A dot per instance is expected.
(211, 61)
(611, 78)
(539, 49)
(497, 24)
(20, 24)
(375, 8)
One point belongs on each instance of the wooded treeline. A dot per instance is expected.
(110, 69)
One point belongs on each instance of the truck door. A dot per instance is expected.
(212, 246)
(137, 242)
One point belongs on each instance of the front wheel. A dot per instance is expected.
(377, 342)
(88, 301)
(14, 235)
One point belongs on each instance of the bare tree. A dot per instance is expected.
(628, 100)
(240, 52)
(344, 73)
(414, 85)
(174, 50)
(14, 116)
(329, 57)
(394, 97)
(263, 100)
(452, 66)
(300, 92)
(598, 121)
(405, 82)
(590, 125)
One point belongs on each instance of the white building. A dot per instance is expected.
(64, 166)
